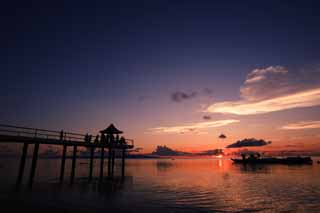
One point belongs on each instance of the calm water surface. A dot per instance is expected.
(178, 185)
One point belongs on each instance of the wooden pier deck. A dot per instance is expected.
(26, 136)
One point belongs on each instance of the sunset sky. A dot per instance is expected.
(175, 73)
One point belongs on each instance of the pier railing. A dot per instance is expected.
(40, 133)
(37, 133)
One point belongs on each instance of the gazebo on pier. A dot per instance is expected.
(111, 129)
(110, 137)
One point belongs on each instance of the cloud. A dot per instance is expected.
(222, 136)
(265, 83)
(206, 117)
(307, 98)
(166, 151)
(302, 125)
(182, 96)
(249, 142)
(273, 89)
(260, 74)
(195, 127)
(211, 152)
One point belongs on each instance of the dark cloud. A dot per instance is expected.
(211, 152)
(166, 151)
(206, 117)
(249, 142)
(182, 96)
(222, 136)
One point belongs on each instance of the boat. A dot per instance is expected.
(287, 160)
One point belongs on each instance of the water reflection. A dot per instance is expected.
(164, 165)
(105, 188)
(183, 185)
(254, 168)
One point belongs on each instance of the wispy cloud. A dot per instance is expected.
(301, 99)
(272, 89)
(261, 74)
(302, 125)
(268, 82)
(195, 127)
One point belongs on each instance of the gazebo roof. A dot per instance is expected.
(111, 129)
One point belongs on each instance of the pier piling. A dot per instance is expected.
(109, 162)
(34, 164)
(112, 168)
(63, 161)
(91, 163)
(22, 164)
(73, 166)
(101, 164)
(123, 162)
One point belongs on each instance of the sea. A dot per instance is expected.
(167, 185)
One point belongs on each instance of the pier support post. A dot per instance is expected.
(113, 156)
(91, 163)
(22, 164)
(109, 161)
(123, 162)
(73, 166)
(63, 161)
(101, 164)
(34, 164)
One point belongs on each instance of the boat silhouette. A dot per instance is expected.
(288, 160)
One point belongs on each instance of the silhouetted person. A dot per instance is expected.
(122, 141)
(96, 140)
(86, 138)
(252, 157)
(61, 135)
(243, 156)
(103, 139)
(258, 155)
(117, 139)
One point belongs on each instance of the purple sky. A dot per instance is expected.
(145, 65)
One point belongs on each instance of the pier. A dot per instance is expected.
(108, 139)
